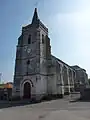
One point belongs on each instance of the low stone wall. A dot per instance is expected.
(85, 94)
(74, 96)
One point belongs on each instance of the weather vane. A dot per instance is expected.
(36, 4)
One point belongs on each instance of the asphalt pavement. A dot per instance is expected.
(60, 109)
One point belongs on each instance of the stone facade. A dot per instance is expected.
(34, 64)
(81, 78)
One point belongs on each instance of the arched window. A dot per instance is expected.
(42, 39)
(29, 39)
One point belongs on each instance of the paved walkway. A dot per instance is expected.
(51, 110)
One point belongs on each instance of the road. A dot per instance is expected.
(59, 109)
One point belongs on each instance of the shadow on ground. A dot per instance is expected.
(84, 100)
(7, 104)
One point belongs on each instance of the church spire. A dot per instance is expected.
(35, 16)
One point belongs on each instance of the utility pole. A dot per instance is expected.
(0, 77)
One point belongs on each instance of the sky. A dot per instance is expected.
(68, 22)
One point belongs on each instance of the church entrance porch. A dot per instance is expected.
(27, 88)
(27, 91)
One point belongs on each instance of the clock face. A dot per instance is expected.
(28, 50)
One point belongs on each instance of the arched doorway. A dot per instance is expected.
(27, 91)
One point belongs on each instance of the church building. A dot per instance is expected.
(38, 73)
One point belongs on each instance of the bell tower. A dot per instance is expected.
(32, 55)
